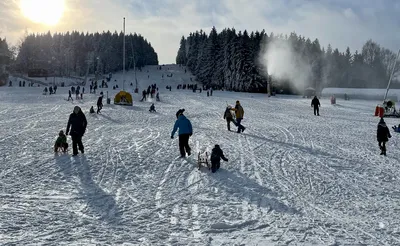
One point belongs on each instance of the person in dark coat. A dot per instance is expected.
(229, 117)
(185, 132)
(99, 104)
(143, 95)
(315, 103)
(77, 123)
(91, 110)
(216, 155)
(70, 95)
(382, 135)
(152, 108)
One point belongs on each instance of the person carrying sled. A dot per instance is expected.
(239, 112)
(77, 123)
(99, 104)
(315, 103)
(229, 117)
(185, 132)
(61, 142)
(382, 135)
(216, 155)
(152, 108)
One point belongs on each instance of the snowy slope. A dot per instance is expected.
(292, 178)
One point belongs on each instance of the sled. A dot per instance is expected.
(203, 160)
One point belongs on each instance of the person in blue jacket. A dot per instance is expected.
(185, 132)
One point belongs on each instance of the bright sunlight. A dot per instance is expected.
(47, 12)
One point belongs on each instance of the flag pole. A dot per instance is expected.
(123, 62)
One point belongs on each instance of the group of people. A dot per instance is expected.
(76, 128)
(229, 117)
(51, 90)
(185, 132)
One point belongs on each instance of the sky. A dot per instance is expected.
(163, 22)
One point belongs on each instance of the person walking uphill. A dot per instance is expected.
(239, 112)
(382, 135)
(77, 124)
(99, 104)
(315, 103)
(185, 132)
(229, 117)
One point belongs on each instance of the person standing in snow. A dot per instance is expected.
(382, 135)
(216, 155)
(99, 103)
(70, 95)
(315, 103)
(77, 123)
(185, 132)
(239, 112)
(229, 117)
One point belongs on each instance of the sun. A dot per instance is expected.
(47, 12)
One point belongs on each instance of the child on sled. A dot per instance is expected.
(61, 142)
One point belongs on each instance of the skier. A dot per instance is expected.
(99, 104)
(216, 155)
(70, 95)
(77, 123)
(61, 142)
(229, 117)
(315, 103)
(382, 135)
(185, 132)
(239, 112)
(152, 108)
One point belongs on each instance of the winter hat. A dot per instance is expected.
(217, 146)
(381, 120)
(180, 111)
(237, 102)
(77, 109)
(61, 133)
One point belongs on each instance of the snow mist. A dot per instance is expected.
(284, 64)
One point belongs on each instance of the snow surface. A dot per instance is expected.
(292, 178)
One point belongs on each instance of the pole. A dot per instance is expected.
(391, 76)
(123, 62)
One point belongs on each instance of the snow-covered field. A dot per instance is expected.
(292, 178)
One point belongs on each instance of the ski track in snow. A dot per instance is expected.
(292, 178)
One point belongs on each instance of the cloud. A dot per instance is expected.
(341, 23)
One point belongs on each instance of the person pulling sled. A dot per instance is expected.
(216, 155)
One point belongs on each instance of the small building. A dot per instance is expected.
(309, 92)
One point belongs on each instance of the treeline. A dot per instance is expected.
(231, 60)
(75, 53)
(4, 61)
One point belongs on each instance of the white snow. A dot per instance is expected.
(292, 178)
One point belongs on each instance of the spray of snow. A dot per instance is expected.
(283, 63)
